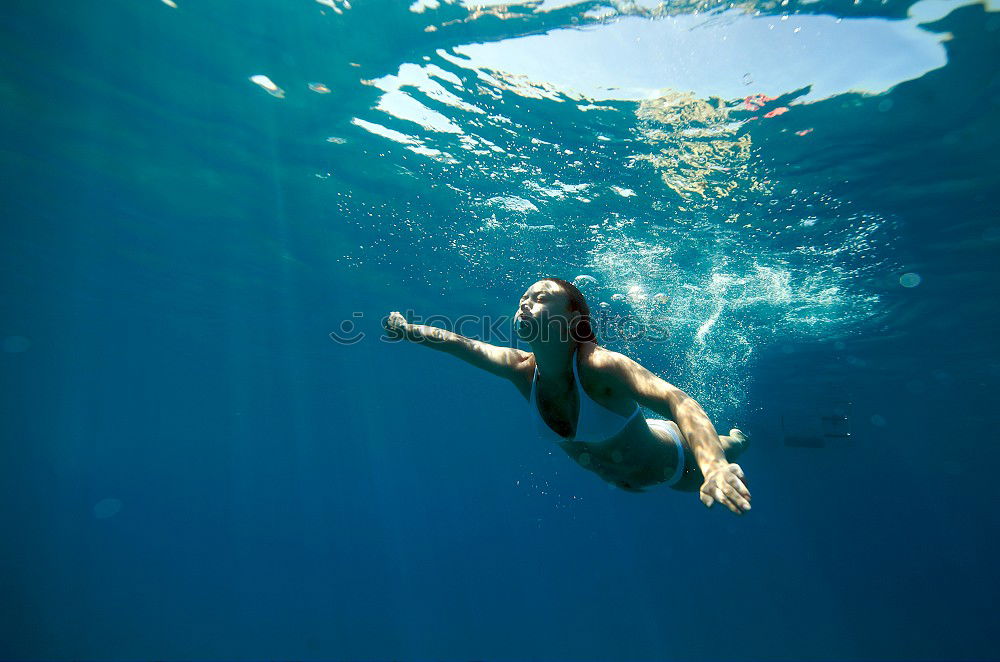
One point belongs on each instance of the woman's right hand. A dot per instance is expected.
(395, 325)
(726, 484)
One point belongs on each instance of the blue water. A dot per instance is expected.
(802, 195)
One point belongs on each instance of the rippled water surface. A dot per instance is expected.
(799, 198)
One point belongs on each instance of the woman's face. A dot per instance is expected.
(542, 304)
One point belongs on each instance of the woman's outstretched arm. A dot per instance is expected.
(500, 361)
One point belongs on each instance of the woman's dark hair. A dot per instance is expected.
(582, 330)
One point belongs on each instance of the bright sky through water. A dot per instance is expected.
(729, 55)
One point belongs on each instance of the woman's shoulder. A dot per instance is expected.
(611, 367)
(605, 371)
(599, 364)
(600, 358)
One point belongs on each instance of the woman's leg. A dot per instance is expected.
(734, 444)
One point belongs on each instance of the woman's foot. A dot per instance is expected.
(735, 444)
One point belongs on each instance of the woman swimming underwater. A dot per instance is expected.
(586, 399)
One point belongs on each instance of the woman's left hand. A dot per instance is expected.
(726, 484)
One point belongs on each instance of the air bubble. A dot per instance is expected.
(636, 293)
(268, 85)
